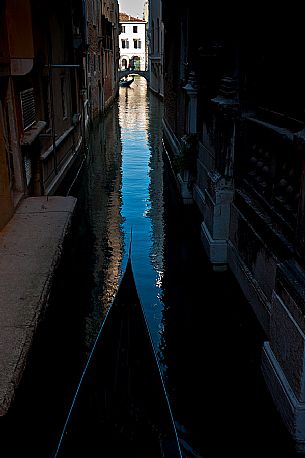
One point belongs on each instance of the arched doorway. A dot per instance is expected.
(124, 64)
(135, 63)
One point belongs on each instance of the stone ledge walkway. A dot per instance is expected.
(30, 249)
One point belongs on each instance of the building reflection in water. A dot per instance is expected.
(123, 188)
(102, 201)
(140, 115)
(156, 212)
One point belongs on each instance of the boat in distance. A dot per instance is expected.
(125, 82)
(121, 408)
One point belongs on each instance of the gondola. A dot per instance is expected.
(121, 407)
(126, 82)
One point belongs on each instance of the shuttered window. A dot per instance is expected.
(137, 44)
(28, 108)
(28, 169)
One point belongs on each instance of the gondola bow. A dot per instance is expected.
(121, 407)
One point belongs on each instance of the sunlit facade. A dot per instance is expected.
(133, 54)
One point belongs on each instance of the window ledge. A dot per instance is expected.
(31, 134)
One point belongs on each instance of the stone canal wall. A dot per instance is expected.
(30, 250)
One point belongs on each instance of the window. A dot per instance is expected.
(28, 168)
(88, 63)
(63, 96)
(135, 29)
(137, 44)
(125, 44)
(106, 65)
(123, 29)
(98, 16)
(153, 37)
(94, 12)
(28, 108)
(46, 101)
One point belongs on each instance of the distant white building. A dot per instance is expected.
(132, 43)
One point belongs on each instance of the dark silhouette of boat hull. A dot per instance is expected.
(121, 407)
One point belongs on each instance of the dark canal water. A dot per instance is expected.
(204, 332)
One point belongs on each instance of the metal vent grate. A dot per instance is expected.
(28, 108)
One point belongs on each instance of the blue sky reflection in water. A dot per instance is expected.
(142, 207)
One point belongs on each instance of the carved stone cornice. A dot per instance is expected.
(227, 99)
(191, 86)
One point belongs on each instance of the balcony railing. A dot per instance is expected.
(271, 169)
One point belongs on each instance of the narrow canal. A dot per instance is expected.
(205, 334)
